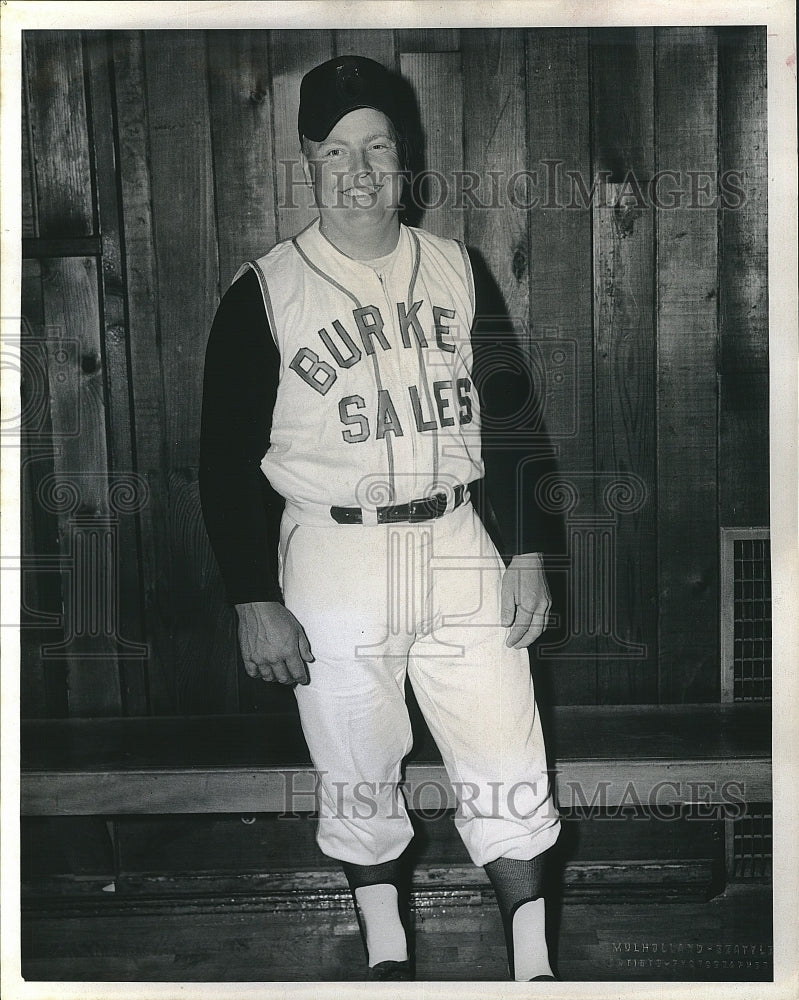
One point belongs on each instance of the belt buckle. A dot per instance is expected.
(428, 508)
(416, 511)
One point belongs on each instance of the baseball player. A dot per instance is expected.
(341, 378)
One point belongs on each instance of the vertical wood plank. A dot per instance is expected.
(743, 278)
(54, 73)
(624, 355)
(374, 43)
(621, 102)
(77, 405)
(102, 128)
(744, 499)
(495, 140)
(561, 292)
(240, 96)
(32, 683)
(185, 225)
(43, 689)
(436, 80)
(428, 39)
(146, 360)
(29, 222)
(293, 53)
(625, 429)
(188, 287)
(33, 524)
(687, 346)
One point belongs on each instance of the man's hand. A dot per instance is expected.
(525, 600)
(274, 645)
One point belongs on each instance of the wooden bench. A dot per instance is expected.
(602, 756)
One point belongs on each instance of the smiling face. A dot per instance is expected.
(355, 173)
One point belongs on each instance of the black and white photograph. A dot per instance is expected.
(399, 499)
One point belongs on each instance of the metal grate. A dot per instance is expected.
(750, 839)
(745, 614)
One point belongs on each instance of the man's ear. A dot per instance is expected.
(306, 167)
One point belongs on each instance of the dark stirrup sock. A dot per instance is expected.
(378, 892)
(518, 886)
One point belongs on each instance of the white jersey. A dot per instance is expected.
(375, 403)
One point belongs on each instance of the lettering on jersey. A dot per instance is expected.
(421, 424)
(388, 421)
(351, 436)
(449, 396)
(443, 402)
(465, 412)
(343, 349)
(410, 320)
(370, 324)
(317, 374)
(440, 313)
(354, 352)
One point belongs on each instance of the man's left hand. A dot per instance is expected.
(525, 600)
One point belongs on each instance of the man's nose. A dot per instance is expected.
(359, 165)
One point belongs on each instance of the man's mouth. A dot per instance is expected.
(363, 196)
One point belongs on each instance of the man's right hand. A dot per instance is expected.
(274, 645)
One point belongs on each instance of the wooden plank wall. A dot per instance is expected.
(70, 312)
(155, 162)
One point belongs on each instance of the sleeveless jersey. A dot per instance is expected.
(375, 403)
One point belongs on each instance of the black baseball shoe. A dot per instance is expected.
(385, 972)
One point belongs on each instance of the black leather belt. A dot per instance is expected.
(417, 510)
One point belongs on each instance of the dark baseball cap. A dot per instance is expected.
(336, 87)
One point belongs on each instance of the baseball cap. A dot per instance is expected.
(336, 87)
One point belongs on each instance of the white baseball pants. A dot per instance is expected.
(376, 602)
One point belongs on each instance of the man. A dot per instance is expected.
(339, 374)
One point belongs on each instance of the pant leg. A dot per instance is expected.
(478, 700)
(353, 712)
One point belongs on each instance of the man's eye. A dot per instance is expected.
(334, 152)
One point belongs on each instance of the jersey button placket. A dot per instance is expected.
(400, 386)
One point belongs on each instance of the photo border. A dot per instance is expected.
(782, 240)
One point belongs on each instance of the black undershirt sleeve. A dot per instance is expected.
(240, 509)
(516, 450)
